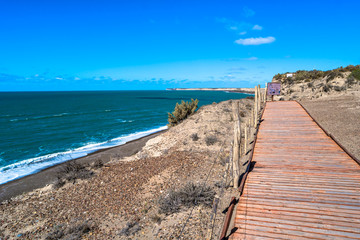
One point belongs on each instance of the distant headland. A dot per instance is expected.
(239, 90)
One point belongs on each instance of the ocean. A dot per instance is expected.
(41, 129)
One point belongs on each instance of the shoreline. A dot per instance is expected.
(48, 175)
(33, 165)
(235, 90)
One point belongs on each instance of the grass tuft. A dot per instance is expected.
(211, 140)
(192, 194)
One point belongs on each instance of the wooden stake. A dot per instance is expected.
(246, 139)
(265, 94)
(255, 108)
(237, 144)
(259, 98)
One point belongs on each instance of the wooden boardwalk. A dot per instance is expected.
(303, 185)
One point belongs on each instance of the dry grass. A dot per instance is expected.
(211, 140)
(192, 194)
(72, 171)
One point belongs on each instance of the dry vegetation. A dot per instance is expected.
(317, 84)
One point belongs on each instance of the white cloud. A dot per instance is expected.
(255, 41)
(242, 33)
(257, 27)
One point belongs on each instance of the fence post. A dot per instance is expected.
(246, 139)
(259, 98)
(237, 144)
(255, 107)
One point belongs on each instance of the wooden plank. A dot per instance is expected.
(303, 185)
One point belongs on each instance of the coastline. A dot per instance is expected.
(126, 189)
(235, 90)
(48, 175)
(33, 165)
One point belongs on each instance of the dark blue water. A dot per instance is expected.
(40, 129)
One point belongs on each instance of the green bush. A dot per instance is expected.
(356, 74)
(278, 76)
(182, 111)
(331, 75)
(302, 75)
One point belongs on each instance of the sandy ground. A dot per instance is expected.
(120, 201)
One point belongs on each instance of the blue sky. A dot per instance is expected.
(119, 45)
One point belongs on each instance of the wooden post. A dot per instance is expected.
(237, 144)
(212, 218)
(265, 94)
(259, 98)
(228, 165)
(255, 107)
(246, 139)
(251, 120)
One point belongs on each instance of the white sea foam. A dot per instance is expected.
(125, 121)
(33, 165)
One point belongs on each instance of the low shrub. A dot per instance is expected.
(331, 75)
(73, 232)
(182, 111)
(356, 74)
(192, 194)
(326, 88)
(307, 76)
(350, 80)
(194, 137)
(71, 172)
(98, 163)
(278, 76)
(339, 89)
(210, 140)
(131, 228)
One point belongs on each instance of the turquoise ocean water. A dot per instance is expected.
(40, 129)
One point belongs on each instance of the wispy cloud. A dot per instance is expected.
(247, 12)
(251, 58)
(255, 41)
(257, 27)
(234, 26)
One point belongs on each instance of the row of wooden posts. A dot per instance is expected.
(240, 147)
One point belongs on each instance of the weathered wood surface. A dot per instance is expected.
(303, 185)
